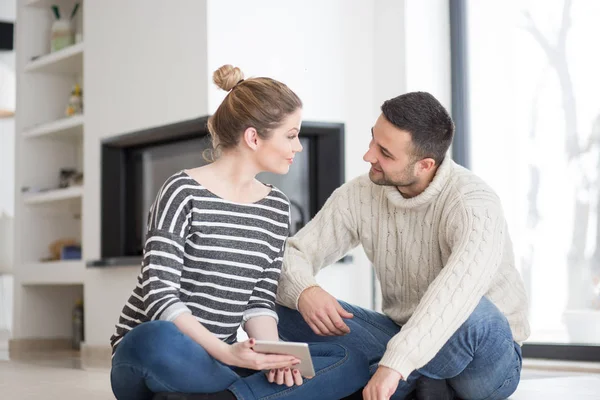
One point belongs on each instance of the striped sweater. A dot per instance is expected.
(213, 258)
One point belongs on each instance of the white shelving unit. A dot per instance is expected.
(66, 61)
(69, 128)
(64, 272)
(70, 193)
(46, 142)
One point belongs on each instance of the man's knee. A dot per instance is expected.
(487, 316)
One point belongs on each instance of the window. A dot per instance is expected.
(533, 112)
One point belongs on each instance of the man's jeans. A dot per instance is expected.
(156, 357)
(480, 361)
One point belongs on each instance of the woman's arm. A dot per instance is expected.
(262, 328)
(188, 325)
(238, 354)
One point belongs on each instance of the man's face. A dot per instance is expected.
(390, 155)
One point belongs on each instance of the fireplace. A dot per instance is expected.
(135, 165)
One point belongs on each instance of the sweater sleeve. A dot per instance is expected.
(164, 252)
(324, 240)
(476, 232)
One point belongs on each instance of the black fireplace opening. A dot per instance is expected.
(135, 165)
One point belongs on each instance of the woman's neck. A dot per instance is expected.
(233, 178)
(235, 170)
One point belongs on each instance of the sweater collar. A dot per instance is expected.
(429, 194)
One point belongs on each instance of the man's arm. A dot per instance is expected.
(477, 234)
(324, 240)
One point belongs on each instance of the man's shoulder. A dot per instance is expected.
(360, 187)
(359, 182)
(469, 187)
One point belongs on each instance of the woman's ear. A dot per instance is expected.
(251, 138)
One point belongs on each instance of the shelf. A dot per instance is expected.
(53, 195)
(49, 3)
(70, 128)
(63, 272)
(66, 61)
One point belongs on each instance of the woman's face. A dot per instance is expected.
(276, 154)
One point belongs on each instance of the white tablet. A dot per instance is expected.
(298, 350)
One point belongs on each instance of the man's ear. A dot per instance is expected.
(425, 165)
(251, 138)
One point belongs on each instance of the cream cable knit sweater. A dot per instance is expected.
(436, 255)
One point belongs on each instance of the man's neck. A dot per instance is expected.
(418, 187)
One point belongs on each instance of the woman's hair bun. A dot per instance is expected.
(227, 77)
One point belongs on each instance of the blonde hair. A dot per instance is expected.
(260, 103)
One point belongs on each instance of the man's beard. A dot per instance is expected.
(405, 178)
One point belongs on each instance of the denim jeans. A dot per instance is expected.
(480, 361)
(157, 357)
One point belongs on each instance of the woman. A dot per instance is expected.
(212, 260)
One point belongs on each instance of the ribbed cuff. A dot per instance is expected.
(296, 286)
(398, 362)
(259, 312)
(174, 311)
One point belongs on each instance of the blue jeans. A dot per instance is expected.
(480, 361)
(157, 357)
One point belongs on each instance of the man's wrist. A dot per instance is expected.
(315, 286)
(392, 371)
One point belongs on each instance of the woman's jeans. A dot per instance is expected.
(480, 361)
(157, 357)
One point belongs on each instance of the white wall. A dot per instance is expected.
(427, 29)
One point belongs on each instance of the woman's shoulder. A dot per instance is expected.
(177, 188)
(278, 195)
(178, 182)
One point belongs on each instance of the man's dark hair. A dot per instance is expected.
(427, 121)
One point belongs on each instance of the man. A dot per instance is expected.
(455, 308)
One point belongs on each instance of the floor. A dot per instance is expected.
(59, 375)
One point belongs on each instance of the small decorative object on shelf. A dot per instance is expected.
(6, 113)
(61, 247)
(75, 105)
(62, 34)
(70, 177)
(78, 324)
(70, 252)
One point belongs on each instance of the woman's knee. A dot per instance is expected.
(148, 344)
(128, 382)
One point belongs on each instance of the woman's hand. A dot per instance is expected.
(242, 355)
(285, 376)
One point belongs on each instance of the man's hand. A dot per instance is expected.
(382, 385)
(323, 313)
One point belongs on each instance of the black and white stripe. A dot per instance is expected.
(216, 259)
